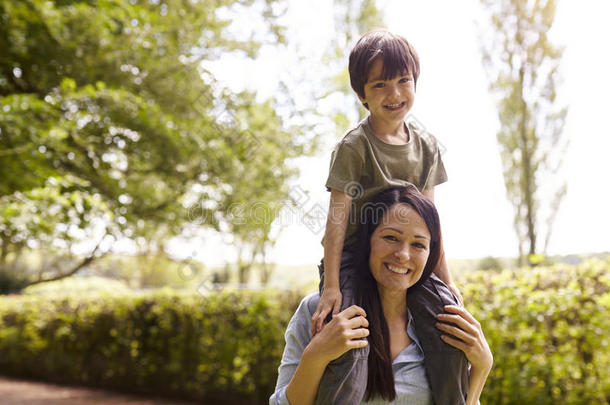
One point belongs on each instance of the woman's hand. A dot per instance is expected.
(471, 338)
(341, 334)
(338, 336)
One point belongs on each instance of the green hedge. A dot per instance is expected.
(549, 330)
(222, 348)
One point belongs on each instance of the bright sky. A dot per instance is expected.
(453, 103)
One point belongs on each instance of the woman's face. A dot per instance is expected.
(399, 248)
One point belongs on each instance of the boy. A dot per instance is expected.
(382, 151)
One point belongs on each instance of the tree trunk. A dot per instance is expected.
(526, 156)
(3, 251)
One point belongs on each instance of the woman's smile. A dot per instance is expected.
(397, 269)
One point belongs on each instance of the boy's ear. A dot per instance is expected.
(362, 99)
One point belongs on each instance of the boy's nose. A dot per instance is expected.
(393, 92)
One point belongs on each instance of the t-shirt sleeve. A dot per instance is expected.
(297, 337)
(346, 167)
(435, 173)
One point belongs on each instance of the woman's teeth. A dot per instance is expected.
(399, 270)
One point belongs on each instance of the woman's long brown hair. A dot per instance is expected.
(380, 377)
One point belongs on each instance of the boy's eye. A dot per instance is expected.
(404, 80)
(378, 85)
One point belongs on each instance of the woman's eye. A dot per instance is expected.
(419, 246)
(390, 237)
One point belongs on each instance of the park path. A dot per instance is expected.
(18, 392)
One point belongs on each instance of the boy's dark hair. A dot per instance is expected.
(397, 54)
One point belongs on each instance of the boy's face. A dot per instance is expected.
(388, 100)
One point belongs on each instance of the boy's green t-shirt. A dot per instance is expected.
(362, 165)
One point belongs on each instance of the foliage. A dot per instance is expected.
(489, 263)
(222, 348)
(548, 331)
(523, 68)
(109, 125)
(252, 222)
(354, 18)
(547, 328)
(11, 282)
(112, 127)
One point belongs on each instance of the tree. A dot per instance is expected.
(110, 127)
(251, 226)
(353, 19)
(523, 68)
(489, 263)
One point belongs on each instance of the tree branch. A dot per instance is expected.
(85, 262)
(15, 151)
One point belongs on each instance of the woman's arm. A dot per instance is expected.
(471, 341)
(303, 386)
(297, 337)
(336, 338)
(341, 334)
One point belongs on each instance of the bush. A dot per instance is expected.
(489, 263)
(222, 348)
(11, 282)
(548, 329)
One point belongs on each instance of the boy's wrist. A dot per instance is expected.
(331, 278)
(330, 285)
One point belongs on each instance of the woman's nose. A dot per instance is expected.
(402, 253)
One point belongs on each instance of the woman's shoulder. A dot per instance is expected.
(309, 304)
(298, 329)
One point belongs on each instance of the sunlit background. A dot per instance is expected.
(454, 104)
(146, 147)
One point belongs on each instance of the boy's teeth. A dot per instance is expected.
(394, 105)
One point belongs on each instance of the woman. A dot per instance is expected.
(400, 244)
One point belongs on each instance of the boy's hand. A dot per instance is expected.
(330, 300)
(456, 291)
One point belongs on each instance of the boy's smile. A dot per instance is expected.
(389, 101)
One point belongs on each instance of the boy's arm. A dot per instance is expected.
(442, 271)
(334, 236)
